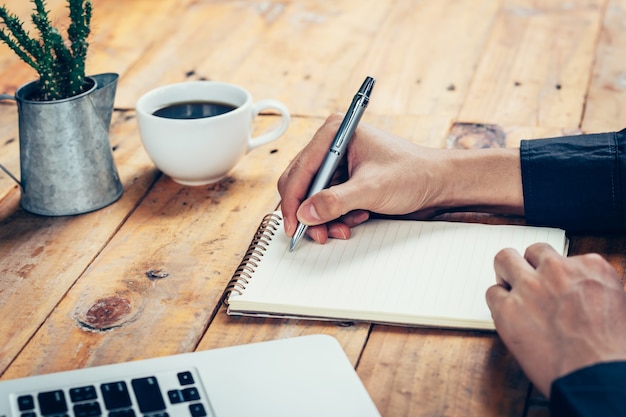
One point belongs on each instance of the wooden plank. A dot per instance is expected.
(367, 40)
(121, 35)
(269, 48)
(275, 51)
(424, 54)
(537, 404)
(229, 331)
(451, 373)
(535, 69)
(40, 259)
(9, 148)
(605, 108)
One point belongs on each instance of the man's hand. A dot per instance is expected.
(385, 174)
(557, 314)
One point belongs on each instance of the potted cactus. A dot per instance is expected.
(66, 162)
(61, 67)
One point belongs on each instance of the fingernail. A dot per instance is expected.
(315, 235)
(287, 225)
(313, 212)
(362, 216)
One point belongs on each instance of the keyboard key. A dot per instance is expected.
(52, 402)
(87, 410)
(175, 396)
(191, 394)
(83, 394)
(115, 395)
(148, 394)
(29, 414)
(122, 413)
(25, 402)
(185, 378)
(197, 410)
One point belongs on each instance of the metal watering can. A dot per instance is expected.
(66, 162)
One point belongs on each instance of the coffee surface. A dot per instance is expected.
(194, 110)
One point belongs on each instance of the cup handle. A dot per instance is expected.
(275, 133)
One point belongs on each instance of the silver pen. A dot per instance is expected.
(337, 149)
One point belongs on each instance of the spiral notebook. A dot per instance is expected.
(421, 273)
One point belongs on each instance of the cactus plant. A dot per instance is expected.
(59, 64)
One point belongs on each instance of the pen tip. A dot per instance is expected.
(368, 86)
(297, 236)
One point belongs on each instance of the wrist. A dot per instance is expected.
(487, 180)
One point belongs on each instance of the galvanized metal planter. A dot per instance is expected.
(66, 162)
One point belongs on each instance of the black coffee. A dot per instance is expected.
(194, 110)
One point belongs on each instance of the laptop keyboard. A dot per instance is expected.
(163, 394)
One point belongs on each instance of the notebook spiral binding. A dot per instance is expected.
(258, 245)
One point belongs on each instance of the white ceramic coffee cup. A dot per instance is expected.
(203, 150)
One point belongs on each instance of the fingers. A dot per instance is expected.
(508, 264)
(511, 268)
(325, 206)
(293, 184)
(536, 254)
(496, 296)
(505, 263)
(514, 271)
(340, 229)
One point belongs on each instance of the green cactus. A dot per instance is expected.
(60, 64)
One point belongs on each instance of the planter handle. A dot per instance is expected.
(6, 171)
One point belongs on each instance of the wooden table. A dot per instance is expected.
(83, 291)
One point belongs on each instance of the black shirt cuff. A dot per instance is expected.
(575, 182)
(597, 390)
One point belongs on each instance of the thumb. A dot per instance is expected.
(329, 204)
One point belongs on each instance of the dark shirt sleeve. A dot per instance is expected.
(597, 390)
(575, 182)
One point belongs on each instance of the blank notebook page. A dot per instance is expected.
(391, 271)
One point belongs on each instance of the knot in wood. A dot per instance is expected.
(157, 274)
(107, 313)
(476, 136)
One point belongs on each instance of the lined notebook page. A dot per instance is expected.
(391, 271)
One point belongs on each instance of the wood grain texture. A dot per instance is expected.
(605, 107)
(144, 276)
(535, 68)
(442, 373)
(43, 257)
(163, 273)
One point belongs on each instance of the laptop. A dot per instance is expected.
(301, 376)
